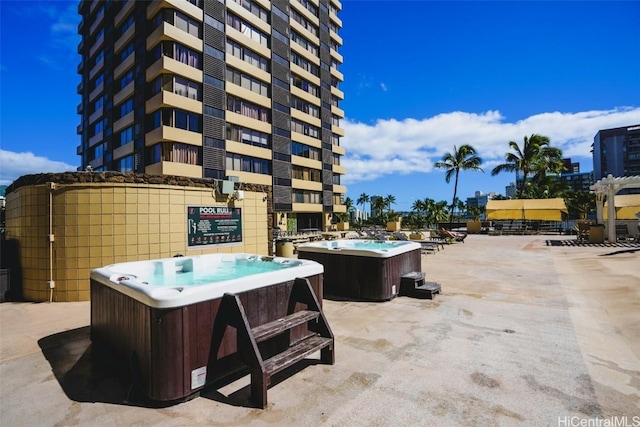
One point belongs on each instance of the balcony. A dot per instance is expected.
(124, 66)
(184, 7)
(172, 168)
(123, 94)
(124, 12)
(95, 139)
(96, 115)
(169, 65)
(170, 99)
(97, 45)
(96, 68)
(167, 31)
(125, 38)
(168, 133)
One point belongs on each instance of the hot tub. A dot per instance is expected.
(158, 316)
(363, 269)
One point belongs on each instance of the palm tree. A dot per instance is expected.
(388, 201)
(581, 203)
(419, 206)
(437, 212)
(378, 204)
(363, 199)
(463, 158)
(348, 203)
(535, 158)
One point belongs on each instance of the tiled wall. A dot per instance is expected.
(98, 224)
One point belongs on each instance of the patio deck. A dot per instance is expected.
(528, 330)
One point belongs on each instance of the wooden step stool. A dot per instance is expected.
(413, 285)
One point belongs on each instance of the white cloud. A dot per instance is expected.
(13, 165)
(383, 87)
(409, 145)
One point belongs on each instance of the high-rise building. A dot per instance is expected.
(215, 89)
(616, 152)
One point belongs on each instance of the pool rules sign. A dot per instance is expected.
(213, 226)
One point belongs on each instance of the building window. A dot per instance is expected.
(304, 196)
(309, 6)
(306, 174)
(238, 162)
(304, 22)
(247, 55)
(304, 43)
(248, 30)
(305, 64)
(336, 159)
(254, 8)
(278, 35)
(176, 118)
(247, 109)
(303, 150)
(335, 139)
(126, 107)
(126, 136)
(209, 20)
(125, 164)
(126, 79)
(128, 50)
(178, 52)
(336, 179)
(305, 128)
(98, 81)
(248, 136)
(126, 25)
(305, 107)
(177, 153)
(303, 84)
(246, 81)
(178, 85)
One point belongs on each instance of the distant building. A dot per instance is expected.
(616, 152)
(510, 190)
(480, 200)
(571, 167)
(578, 181)
(356, 215)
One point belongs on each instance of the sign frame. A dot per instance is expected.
(214, 227)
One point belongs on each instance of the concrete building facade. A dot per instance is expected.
(216, 89)
(616, 152)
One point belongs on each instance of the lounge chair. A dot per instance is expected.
(622, 232)
(426, 246)
(451, 236)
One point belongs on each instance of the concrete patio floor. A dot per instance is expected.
(528, 330)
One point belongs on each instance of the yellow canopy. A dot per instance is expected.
(530, 209)
(627, 206)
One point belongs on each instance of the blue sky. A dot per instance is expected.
(445, 74)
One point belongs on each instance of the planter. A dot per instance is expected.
(416, 236)
(474, 227)
(394, 225)
(342, 226)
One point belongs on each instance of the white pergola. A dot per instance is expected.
(608, 187)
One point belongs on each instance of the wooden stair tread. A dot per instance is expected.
(296, 353)
(278, 326)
